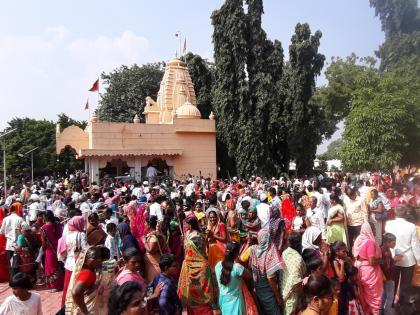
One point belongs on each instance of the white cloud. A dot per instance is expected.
(46, 74)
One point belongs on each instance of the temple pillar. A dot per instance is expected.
(94, 170)
(137, 169)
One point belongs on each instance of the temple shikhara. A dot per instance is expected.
(174, 138)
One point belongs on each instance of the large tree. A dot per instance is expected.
(32, 133)
(127, 89)
(201, 72)
(230, 88)
(304, 116)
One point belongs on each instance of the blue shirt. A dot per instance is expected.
(169, 301)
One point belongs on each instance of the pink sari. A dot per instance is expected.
(125, 275)
(140, 227)
(370, 277)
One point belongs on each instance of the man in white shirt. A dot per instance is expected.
(316, 217)
(34, 208)
(151, 173)
(323, 200)
(407, 245)
(10, 229)
(156, 209)
(263, 209)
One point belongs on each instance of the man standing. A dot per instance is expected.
(407, 246)
(10, 229)
(316, 216)
(263, 209)
(151, 173)
(155, 207)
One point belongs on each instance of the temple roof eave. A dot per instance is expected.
(106, 152)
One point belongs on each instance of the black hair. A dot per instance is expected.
(335, 247)
(93, 215)
(336, 198)
(166, 260)
(335, 282)
(130, 252)
(313, 264)
(120, 297)
(198, 242)
(232, 251)
(194, 223)
(213, 199)
(102, 252)
(49, 217)
(153, 221)
(351, 270)
(111, 226)
(317, 285)
(308, 254)
(245, 204)
(388, 237)
(295, 242)
(272, 191)
(20, 280)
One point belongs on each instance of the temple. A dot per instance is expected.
(174, 138)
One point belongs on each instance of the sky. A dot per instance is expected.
(52, 51)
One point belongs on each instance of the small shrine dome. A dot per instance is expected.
(188, 111)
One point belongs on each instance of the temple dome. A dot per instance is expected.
(188, 111)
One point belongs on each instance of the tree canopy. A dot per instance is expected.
(127, 89)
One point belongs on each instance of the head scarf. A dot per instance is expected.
(123, 229)
(265, 260)
(76, 224)
(309, 236)
(366, 234)
(276, 225)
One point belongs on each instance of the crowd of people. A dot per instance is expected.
(348, 244)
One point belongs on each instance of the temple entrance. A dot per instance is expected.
(164, 170)
(115, 167)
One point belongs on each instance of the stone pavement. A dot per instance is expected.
(50, 301)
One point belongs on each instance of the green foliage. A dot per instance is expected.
(31, 133)
(397, 16)
(333, 150)
(201, 72)
(382, 129)
(65, 121)
(304, 117)
(322, 166)
(127, 89)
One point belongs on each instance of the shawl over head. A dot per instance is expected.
(76, 224)
(366, 234)
(309, 237)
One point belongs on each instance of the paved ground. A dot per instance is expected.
(50, 301)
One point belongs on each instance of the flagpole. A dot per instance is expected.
(97, 106)
(89, 109)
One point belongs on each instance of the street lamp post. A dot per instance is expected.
(4, 160)
(32, 161)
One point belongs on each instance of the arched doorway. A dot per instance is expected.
(164, 170)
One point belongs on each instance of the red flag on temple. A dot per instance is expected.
(87, 104)
(95, 87)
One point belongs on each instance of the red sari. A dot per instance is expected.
(4, 272)
(54, 275)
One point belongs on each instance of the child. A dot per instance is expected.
(336, 288)
(387, 266)
(111, 241)
(22, 301)
(299, 223)
(338, 261)
(355, 308)
(168, 301)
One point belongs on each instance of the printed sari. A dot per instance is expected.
(196, 286)
(216, 251)
(96, 297)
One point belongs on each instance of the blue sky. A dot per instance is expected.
(52, 51)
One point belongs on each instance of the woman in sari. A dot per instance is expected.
(155, 245)
(195, 286)
(131, 270)
(217, 238)
(293, 273)
(370, 278)
(27, 246)
(127, 239)
(69, 248)
(312, 240)
(4, 272)
(130, 210)
(265, 265)
(288, 210)
(140, 227)
(94, 233)
(335, 221)
(85, 290)
(50, 234)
